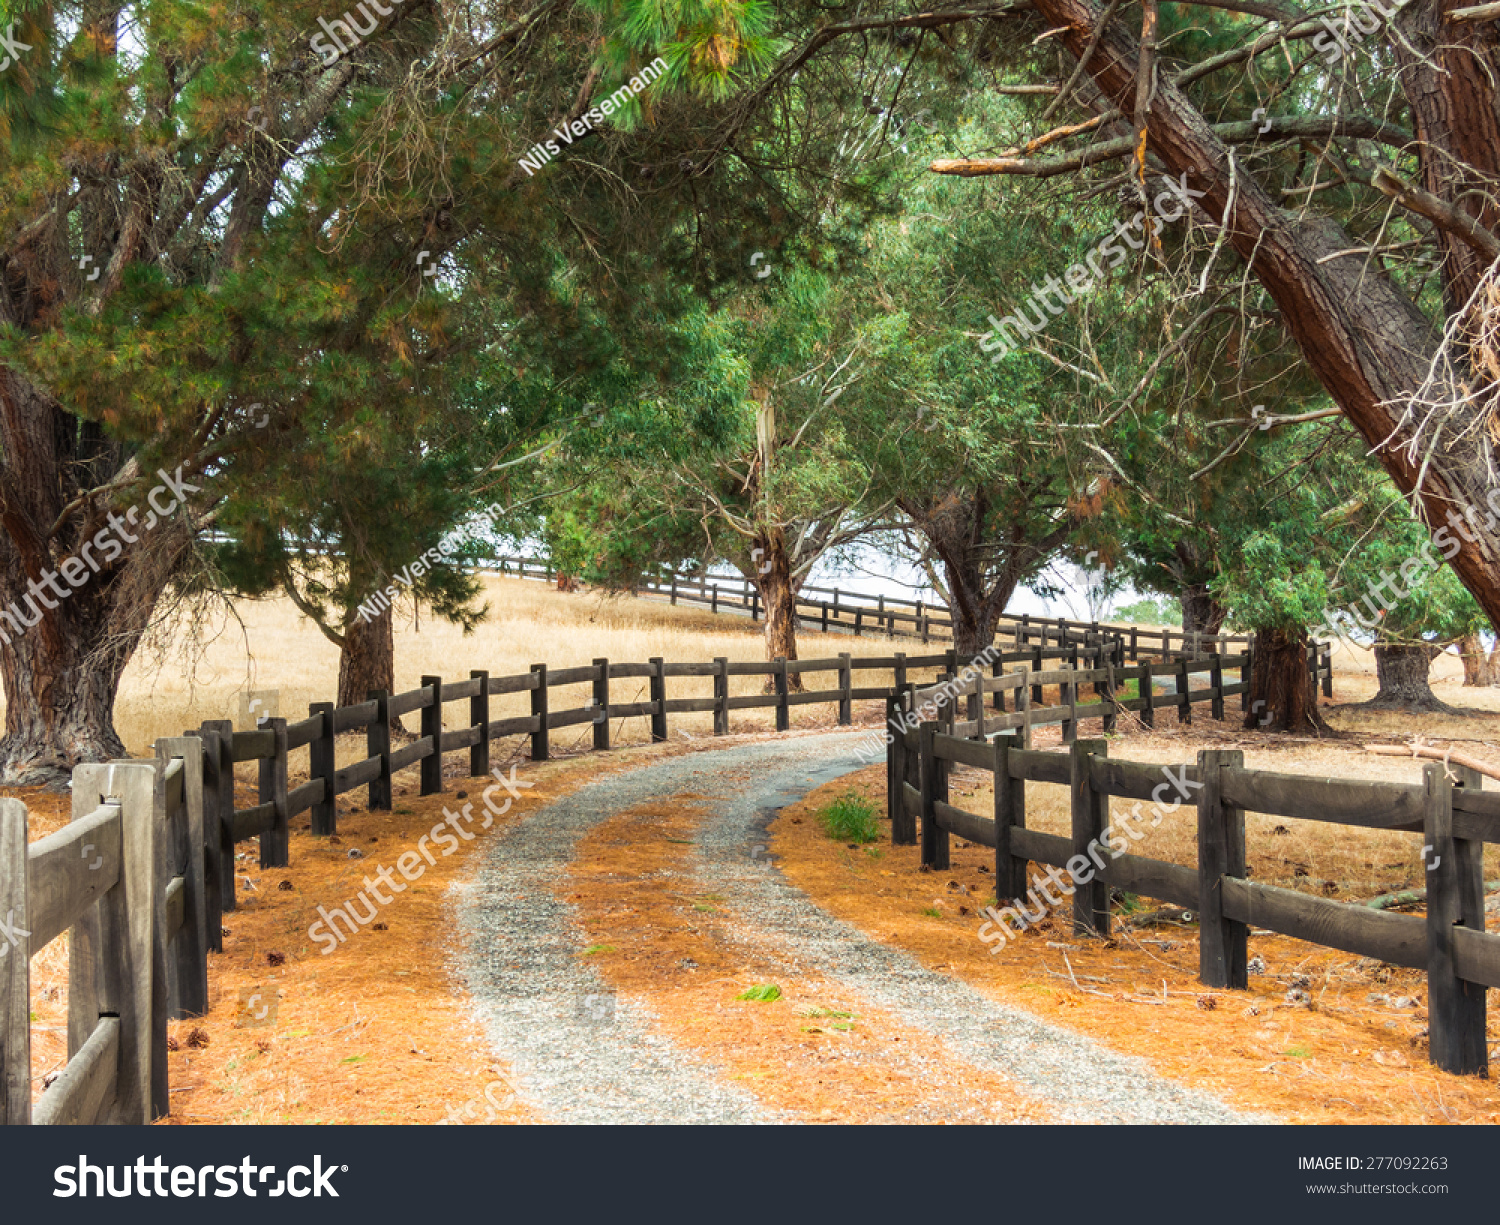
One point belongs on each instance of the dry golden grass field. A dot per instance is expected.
(386, 1036)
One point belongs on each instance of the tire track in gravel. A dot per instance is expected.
(533, 989)
(1086, 1083)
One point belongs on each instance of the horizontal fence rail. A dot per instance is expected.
(1448, 809)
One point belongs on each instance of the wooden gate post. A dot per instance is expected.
(783, 711)
(1223, 943)
(431, 769)
(378, 744)
(1455, 898)
(1216, 681)
(934, 787)
(322, 763)
(479, 717)
(1148, 694)
(846, 685)
(540, 744)
(658, 701)
(1090, 816)
(1068, 691)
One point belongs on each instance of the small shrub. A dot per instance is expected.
(851, 818)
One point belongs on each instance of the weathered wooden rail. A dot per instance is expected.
(1449, 809)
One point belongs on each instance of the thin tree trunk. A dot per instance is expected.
(1282, 695)
(778, 595)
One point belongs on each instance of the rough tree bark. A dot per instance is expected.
(778, 597)
(367, 658)
(1282, 695)
(1201, 613)
(1402, 670)
(63, 647)
(1479, 669)
(1366, 340)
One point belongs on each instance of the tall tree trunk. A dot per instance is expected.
(1363, 336)
(1282, 695)
(778, 596)
(1402, 671)
(1201, 613)
(367, 659)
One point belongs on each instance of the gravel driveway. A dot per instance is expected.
(581, 1056)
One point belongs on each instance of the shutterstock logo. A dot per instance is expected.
(193, 1181)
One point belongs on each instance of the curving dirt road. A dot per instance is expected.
(591, 1039)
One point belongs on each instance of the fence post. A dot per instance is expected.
(1222, 942)
(900, 671)
(1107, 691)
(1010, 813)
(658, 683)
(1455, 898)
(479, 716)
(721, 696)
(713, 606)
(378, 744)
(275, 843)
(15, 970)
(1134, 646)
(1068, 693)
(1036, 666)
(1216, 680)
(1327, 658)
(1148, 694)
(540, 747)
(1023, 709)
(846, 686)
(322, 763)
(824, 607)
(674, 589)
(1180, 683)
(894, 767)
(859, 620)
(221, 826)
(934, 787)
(779, 683)
(1090, 816)
(187, 850)
(601, 706)
(431, 769)
(213, 903)
(111, 971)
(755, 605)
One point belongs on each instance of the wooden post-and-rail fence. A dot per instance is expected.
(1448, 809)
(144, 873)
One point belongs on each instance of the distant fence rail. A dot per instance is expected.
(1449, 809)
(144, 872)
